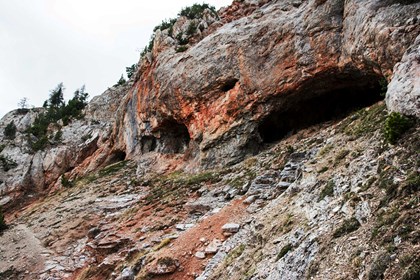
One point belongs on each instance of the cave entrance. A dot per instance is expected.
(117, 156)
(316, 103)
(174, 138)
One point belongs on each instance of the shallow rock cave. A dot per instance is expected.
(117, 156)
(229, 84)
(173, 138)
(331, 98)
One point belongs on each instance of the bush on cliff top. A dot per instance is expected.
(56, 109)
(195, 11)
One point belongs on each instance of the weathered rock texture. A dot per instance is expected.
(329, 201)
(251, 76)
(284, 55)
(404, 89)
(83, 147)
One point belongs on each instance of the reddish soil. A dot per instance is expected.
(188, 243)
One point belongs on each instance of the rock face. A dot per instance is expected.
(82, 148)
(220, 98)
(404, 89)
(251, 76)
(160, 187)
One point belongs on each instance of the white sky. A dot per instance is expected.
(45, 42)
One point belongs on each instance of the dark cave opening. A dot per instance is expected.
(229, 84)
(316, 104)
(117, 156)
(148, 144)
(174, 137)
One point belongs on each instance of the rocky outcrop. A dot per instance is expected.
(212, 91)
(330, 202)
(228, 90)
(257, 72)
(404, 89)
(81, 140)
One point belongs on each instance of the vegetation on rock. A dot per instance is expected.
(346, 227)
(121, 81)
(56, 109)
(192, 13)
(10, 131)
(7, 163)
(196, 11)
(396, 125)
(131, 70)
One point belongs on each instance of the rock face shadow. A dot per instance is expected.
(324, 99)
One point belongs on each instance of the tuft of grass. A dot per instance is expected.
(200, 178)
(234, 254)
(411, 184)
(396, 125)
(165, 242)
(284, 251)
(325, 150)
(328, 190)
(379, 265)
(341, 155)
(365, 121)
(346, 227)
(113, 168)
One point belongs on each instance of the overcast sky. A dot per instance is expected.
(77, 42)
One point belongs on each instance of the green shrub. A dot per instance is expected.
(192, 29)
(56, 109)
(166, 24)
(395, 126)
(3, 225)
(58, 136)
(182, 40)
(10, 131)
(121, 81)
(346, 227)
(39, 144)
(131, 70)
(196, 11)
(7, 163)
(65, 182)
(383, 83)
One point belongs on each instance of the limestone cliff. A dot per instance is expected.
(250, 144)
(223, 89)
